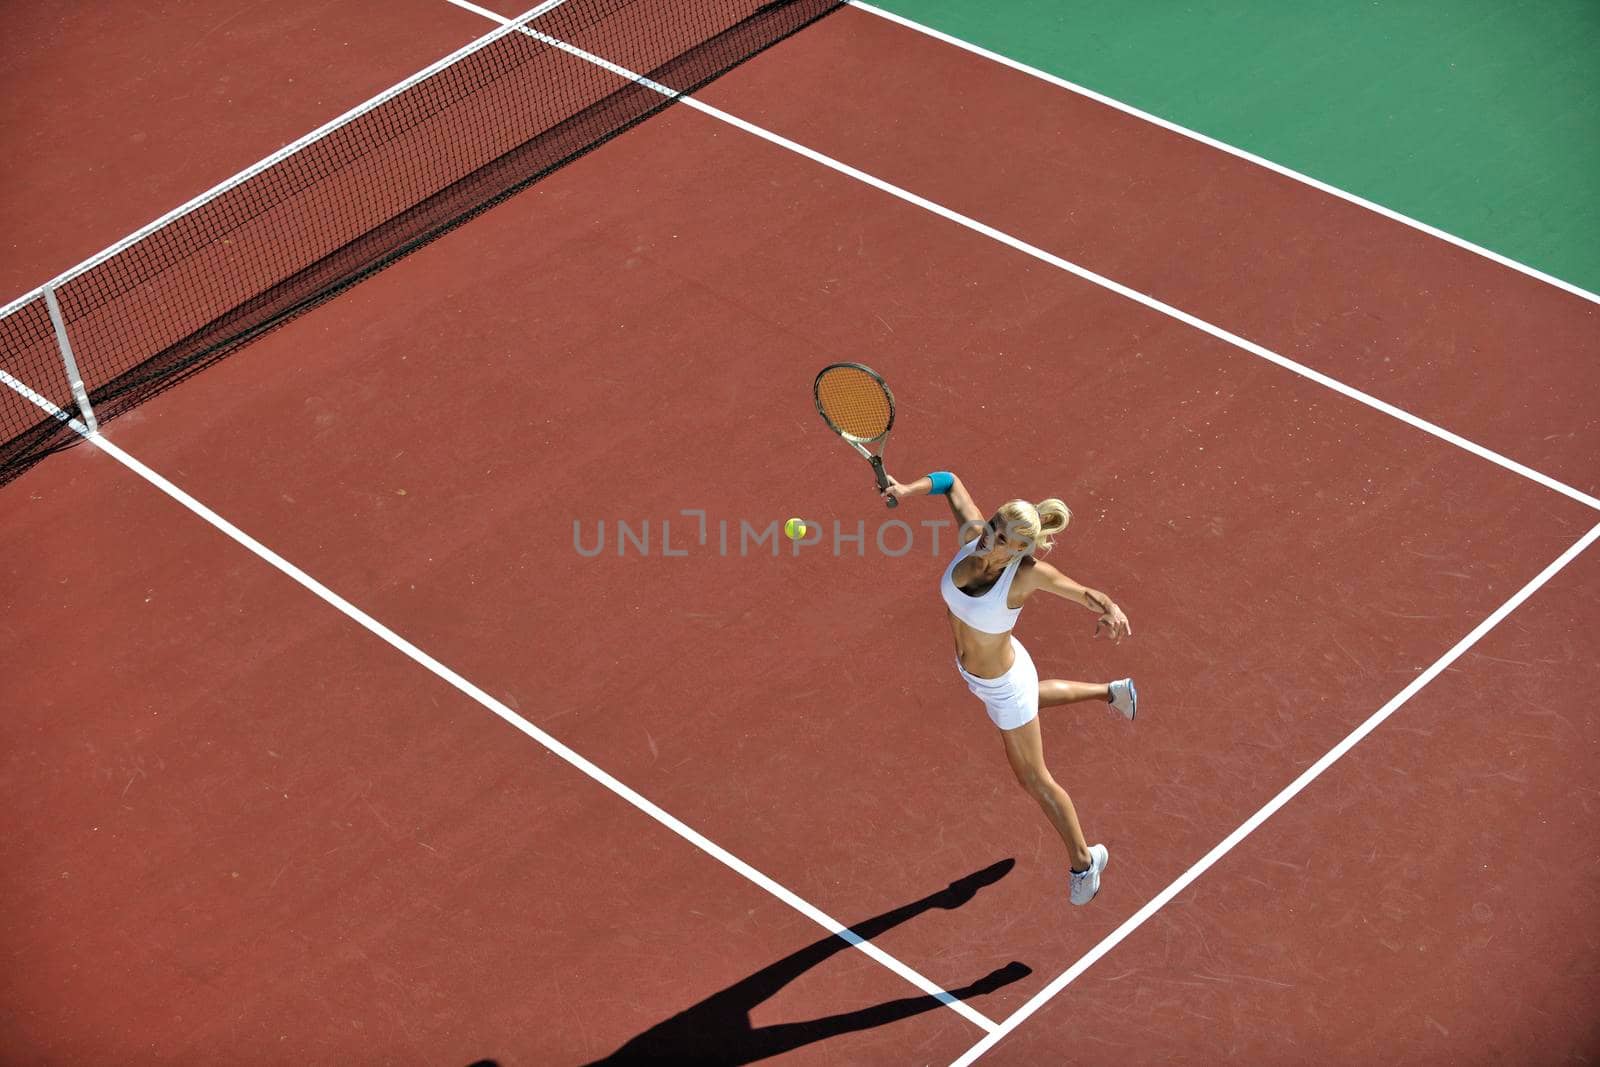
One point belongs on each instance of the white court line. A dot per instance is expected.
(34, 397)
(1222, 146)
(473, 692)
(1070, 267)
(1271, 807)
(550, 743)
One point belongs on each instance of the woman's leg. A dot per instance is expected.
(1025, 753)
(1054, 691)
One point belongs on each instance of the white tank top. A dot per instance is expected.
(988, 612)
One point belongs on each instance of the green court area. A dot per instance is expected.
(1479, 117)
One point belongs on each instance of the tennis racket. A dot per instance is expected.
(855, 402)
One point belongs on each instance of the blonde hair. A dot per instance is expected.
(1035, 524)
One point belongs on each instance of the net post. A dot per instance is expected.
(69, 361)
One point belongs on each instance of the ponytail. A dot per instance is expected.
(1053, 519)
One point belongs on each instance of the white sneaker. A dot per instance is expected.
(1085, 884)
(1125, 698)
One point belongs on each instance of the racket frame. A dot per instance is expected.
(880, 476)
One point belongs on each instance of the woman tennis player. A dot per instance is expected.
(984, 588)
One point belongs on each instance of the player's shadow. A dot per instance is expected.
(718, 1030)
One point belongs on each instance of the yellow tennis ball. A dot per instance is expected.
(794, 529)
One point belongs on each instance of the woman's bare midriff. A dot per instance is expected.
(981, 655)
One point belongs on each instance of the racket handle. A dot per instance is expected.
(883, 481)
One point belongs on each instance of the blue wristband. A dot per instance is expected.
(942, 481)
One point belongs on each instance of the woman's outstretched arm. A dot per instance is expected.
(1043, 576)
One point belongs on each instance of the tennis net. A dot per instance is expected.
(356, 195)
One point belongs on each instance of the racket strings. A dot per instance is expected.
(855, 403)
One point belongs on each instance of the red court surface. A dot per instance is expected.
(279, 834)
(257, 837)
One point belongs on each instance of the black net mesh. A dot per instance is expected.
(36, 387)
(399, 174)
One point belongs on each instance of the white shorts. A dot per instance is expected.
(1012, 700)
